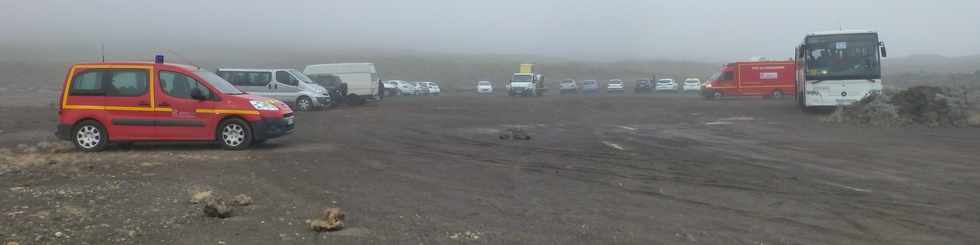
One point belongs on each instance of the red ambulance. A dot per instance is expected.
(769, 79)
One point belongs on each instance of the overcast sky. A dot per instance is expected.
(715, 30)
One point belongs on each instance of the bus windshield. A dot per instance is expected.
(842, 57)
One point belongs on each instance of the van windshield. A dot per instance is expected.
(218, 83)
(302, 77)
(485, 83)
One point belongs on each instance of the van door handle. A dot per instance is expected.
(142, 103)
(162, 104)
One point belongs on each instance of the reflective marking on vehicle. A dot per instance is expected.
(227, 111)
(772, 86)
(73, 71)
(106, 108)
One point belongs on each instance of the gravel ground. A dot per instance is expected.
(632, 169)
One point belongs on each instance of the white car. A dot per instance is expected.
(402, 87)
(666, 84)
(567, 86)
(692, 85)
(484, 87)
(428, 88)
(615, 86)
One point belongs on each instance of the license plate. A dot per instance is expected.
(289, 120)
(845, 102)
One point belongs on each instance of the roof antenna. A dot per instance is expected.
(181, 57)
(103, 52)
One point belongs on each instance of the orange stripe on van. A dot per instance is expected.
(227, 111)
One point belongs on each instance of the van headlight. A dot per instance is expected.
(263, 105)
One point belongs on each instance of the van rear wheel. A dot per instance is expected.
(90, 136)
(234, 134)
(354, 100)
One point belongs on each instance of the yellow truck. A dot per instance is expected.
(526, 82)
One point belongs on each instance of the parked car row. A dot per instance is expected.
(617, 86)
(399, 87)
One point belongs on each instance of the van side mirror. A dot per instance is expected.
(197, 94)
(884, 52)
(801, 52)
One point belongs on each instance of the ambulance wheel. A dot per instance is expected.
(234, 134)
(778, 94)
(90, 136)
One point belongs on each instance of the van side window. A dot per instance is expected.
(180, 85)
(285, 78)
(245, 78)
(125, 83)
(259, 78)
(87, 83)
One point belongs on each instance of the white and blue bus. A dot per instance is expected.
(838, 68)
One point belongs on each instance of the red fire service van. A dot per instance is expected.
(770, 79)
(104, 103)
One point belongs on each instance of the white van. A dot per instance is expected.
(362, 79)
(287, 85)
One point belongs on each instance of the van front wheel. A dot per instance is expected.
(90, 136)
(304, 103)
(234, 134)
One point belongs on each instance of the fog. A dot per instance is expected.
(706, 30)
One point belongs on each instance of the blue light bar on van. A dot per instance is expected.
(158, 59)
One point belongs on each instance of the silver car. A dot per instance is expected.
(590, 87)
